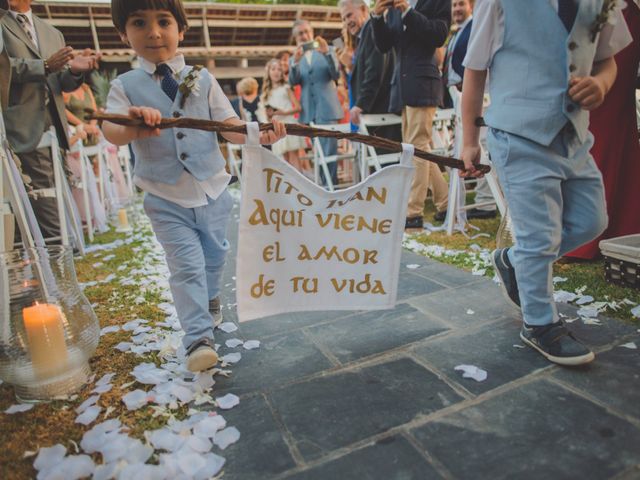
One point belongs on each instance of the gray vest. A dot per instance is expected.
(529, 74)
(162, 159)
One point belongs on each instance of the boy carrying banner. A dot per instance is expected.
(181, 171)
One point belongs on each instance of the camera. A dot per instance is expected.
(312, 45)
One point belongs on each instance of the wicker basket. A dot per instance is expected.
(622, 260)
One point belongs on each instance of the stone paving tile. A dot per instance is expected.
(613, 378)
(536, 432)
(451, 305)
(376, 331)
(596, 335)
(280, 359)
(410, 285)
(438, 272)
(327, 413)
(490, 348)
(261, 451)
(391, 459)
(263, 327)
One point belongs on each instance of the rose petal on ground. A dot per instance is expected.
(19, 408)
(209, 426)
(190, 463)
(165, 439)
(412, 266)
(583, 300)
(630, 346)
(89, 415)
(233, 342)
(251, 344)
(214, 464)
(226, 437)
(72, 467)
(110, 329)
(228, 327)
(135, 399)
(471, 371)
(470, 312)
(228, 401)
(48, 457)
(87, 403)
(231, 357)
(635, 311)
(102, 388)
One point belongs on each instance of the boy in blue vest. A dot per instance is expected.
(550, 63)
(181, 171)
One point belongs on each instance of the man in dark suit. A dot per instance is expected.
(371, 71)
(414, 29)
(42, 67)
(461, 11)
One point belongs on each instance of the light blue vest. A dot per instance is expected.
(163, 158)
(529, 74)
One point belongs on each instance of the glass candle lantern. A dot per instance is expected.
(48, 330)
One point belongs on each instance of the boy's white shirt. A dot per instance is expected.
(487, 34)
(187, 192)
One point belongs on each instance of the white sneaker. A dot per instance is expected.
(201, 355)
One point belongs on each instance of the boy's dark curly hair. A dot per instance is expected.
(121, 10)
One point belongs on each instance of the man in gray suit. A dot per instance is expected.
(42, 67)
(314, 66)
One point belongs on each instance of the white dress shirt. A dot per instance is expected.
(187, 192)
(487, 34)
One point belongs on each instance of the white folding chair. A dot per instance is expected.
(70, 225)
(124, 156)
(83, 185)
(457, 189)
(441, 138)
(234, 159)
(321, 161)
(368, 155)
(96, 150)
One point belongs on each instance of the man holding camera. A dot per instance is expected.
(314, 66)
(414, 29)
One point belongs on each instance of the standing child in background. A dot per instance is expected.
(181, 171)
(550, 63)
(281, 104)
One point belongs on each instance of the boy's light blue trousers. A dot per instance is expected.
(556, 201)
(195, 244)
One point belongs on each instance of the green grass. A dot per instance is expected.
(578, 274)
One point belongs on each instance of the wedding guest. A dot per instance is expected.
(616, 147)
(539, 142)
(42, 67)
(182, 171)
(314, 66)
(414, 29)
(248, 102)
(281, 104)
(78, 105)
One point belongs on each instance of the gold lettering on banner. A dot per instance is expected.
(349, 255)
(351, 285)
(308, 285)
(277, 184)
(262, 288)
(349, 223)
(275, 216)
(370, 195)
(272, 252)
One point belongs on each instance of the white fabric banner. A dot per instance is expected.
(303, 248)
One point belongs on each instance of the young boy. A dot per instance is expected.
(550, 63)
(181, 171)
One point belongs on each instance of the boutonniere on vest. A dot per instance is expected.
(604, 17)
(190, 84)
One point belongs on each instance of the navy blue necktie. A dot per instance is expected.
(169, 84)
(567, 11)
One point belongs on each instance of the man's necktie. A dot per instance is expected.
(24, 22)
(567, 11)
(169, 84)
(394, 21)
